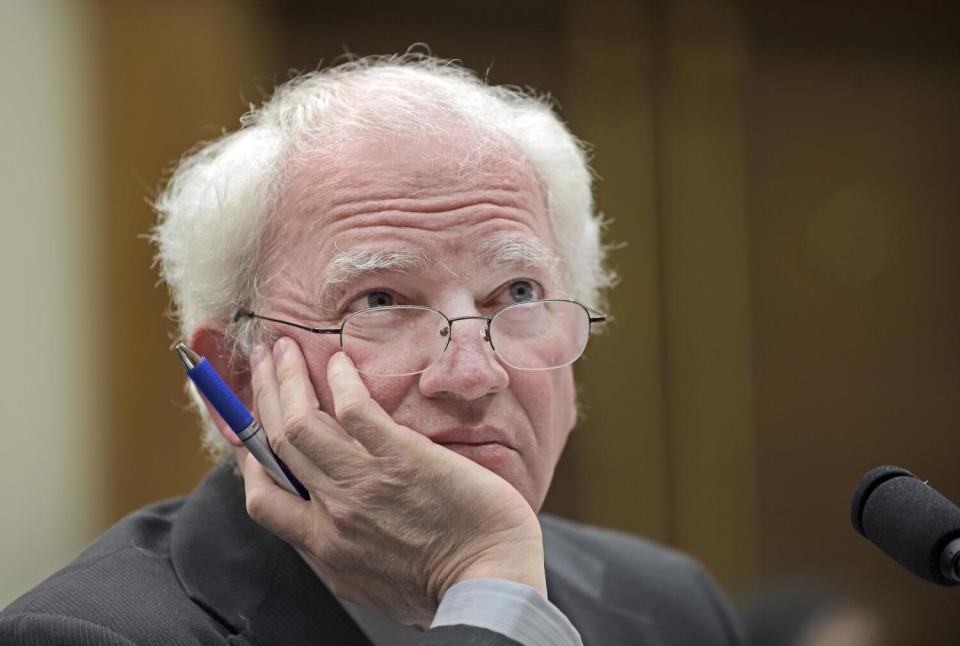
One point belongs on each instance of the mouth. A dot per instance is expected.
(489, 446)
(492, 455)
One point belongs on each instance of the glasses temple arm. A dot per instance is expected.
(245, 313)
(595, 316)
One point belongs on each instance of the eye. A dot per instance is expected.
(377, 298)
(523, 290)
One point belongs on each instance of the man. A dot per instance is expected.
(394, 265)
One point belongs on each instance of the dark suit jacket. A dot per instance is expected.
(197, 570)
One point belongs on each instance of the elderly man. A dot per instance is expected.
(394, 265)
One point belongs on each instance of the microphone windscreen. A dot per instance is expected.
(906, 518)
(873, 479)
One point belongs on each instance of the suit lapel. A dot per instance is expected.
(255, 585)
(261, 592)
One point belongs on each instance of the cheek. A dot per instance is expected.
(317, 349)
(568, 401)
(390, 392)
(548, 402)
(565, 405)
(548, 399)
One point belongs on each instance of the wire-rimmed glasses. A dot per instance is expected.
(400, 340)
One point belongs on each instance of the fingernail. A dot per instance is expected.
(335, 363)
(280, 347)
(344, 359)
(258, 354)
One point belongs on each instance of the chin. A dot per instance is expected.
(520, 479)
(506, 463)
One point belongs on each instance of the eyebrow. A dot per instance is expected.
(352, 265)
(525, 252)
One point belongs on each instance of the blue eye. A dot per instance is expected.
(379, 299)
(522, 290)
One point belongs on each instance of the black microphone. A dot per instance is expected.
(910, 521)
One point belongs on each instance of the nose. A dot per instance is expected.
(468, 369)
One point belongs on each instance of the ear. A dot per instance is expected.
(207, 340)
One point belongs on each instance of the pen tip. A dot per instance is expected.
(187, 356)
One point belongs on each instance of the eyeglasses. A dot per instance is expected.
(399, 340)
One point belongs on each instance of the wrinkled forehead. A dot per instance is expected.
(406, 170)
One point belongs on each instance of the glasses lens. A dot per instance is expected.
(540, 335)
(394, 341)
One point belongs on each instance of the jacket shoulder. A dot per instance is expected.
(667, 585)
(122, 587)
(31, 628)
(637, 557)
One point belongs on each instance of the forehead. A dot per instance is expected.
(445, 195)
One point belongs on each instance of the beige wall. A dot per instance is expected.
(51, 501)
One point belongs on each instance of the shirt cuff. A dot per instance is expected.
(512, 609)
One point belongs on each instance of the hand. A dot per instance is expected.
(394, 520)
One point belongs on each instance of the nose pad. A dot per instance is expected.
(466, 337)
(468, 368)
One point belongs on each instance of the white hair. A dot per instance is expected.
(213, 235)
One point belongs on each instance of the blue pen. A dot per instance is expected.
(235, 414)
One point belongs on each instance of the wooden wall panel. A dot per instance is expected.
(706, 301)
(173, 74)
(855, 276)
(620, 447)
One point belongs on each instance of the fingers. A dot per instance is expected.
(296, 390)
(356, 410)
(266, 392)
(303, 436)
(279, 511)
(289, 410)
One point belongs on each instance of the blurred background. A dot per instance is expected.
(782, 177)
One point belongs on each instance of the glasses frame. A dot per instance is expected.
(593, 316)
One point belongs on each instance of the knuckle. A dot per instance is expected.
(354, 410)
(259, 388)
(256, 505)
(350, 473)
(325, 418)
(345, 519)
(296, 425)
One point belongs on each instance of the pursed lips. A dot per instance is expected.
(488, 446)
(472, 435)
